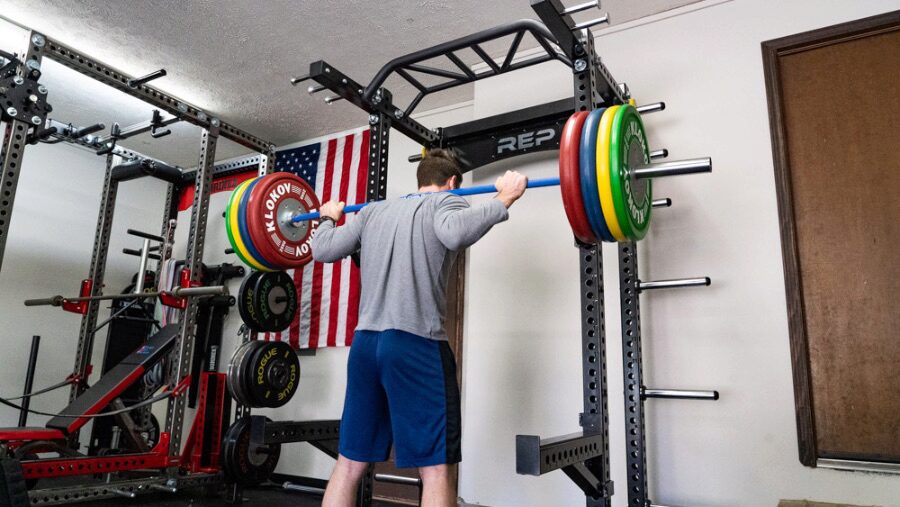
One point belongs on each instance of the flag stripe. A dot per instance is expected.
(341, 195)
(343, 336)
(354, 289)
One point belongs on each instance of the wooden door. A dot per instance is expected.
(834, 100)
(408, 495)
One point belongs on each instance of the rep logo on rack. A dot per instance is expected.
(525, 140)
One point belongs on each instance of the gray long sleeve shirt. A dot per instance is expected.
(408, 246)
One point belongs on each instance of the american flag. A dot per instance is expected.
(327, 294)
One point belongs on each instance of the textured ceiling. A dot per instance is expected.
(234, 58)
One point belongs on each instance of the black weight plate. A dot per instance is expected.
(272, 374)
(246, 301)
(276, 301)
(235, 377)
(244, 462)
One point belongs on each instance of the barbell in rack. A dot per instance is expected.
(676, 168)
(178, 292)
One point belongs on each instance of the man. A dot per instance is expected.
(401, 375)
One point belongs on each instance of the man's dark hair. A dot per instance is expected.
(437, 167)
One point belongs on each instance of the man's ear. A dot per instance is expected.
(452, 182)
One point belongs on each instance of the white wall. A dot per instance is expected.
(48, 252)
(522, 373)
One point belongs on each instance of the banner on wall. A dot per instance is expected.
(327, 294)
(220, 184)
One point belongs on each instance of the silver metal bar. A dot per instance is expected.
(581, 7)
(587, 24)
(122, 492)
(675, 168)
(663, 153)
(399, 479)
(181, 292)
(290, 486)
(861, 466)
(662, 203)
(142, 267)
(165, 488)
(299, 79)
(331, 100)
(316, 88)
(674, 284)
(651, 108)
(679, 394)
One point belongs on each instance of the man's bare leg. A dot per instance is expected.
(436, 488)
(341, 490)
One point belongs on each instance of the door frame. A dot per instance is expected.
(772, 51)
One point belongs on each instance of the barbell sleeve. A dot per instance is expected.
(680, 394)
(674, 284)
(51, 301)
(675, 168)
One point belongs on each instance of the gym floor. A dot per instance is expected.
(270, 496)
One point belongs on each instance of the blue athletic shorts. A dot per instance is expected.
(401, 389)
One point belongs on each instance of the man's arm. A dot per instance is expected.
(458, 226)
(332, 243)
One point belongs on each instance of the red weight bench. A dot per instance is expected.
(110, 386)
